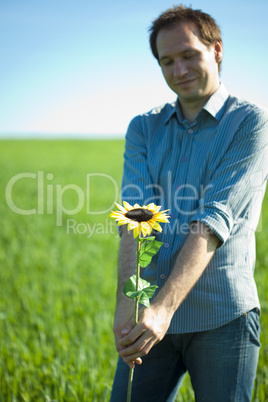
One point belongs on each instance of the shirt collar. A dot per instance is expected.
(214, 106)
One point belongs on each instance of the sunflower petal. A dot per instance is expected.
(122, 222)
(157, 227)
(146, 228)
(127, 206)
(137, 231)
(119, 217)
(132, 225)
(153, 208)
(116, 214)
(161, 217)
(122, 209)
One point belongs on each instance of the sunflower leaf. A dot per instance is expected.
(148, 250)
(144, 293)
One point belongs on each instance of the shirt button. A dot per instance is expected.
(184, 159)
(190, 131)
(162, 276)
(166, 245)
(173, 216)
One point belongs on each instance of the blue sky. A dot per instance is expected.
(82, 67)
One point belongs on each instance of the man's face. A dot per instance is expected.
(190, 67)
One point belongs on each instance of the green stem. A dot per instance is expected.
(137, 282)
(136, 314)
(130, 380)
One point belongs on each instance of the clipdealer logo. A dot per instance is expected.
(51, 199)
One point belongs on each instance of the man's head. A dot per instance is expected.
(188, 47)
(209, 32)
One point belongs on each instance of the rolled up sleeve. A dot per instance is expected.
(238, 180)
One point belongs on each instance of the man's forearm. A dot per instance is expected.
(192, 260)
(126, 261)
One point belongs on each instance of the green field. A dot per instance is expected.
(58, 261)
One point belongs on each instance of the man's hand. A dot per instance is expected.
(137, 341)
(123, 324)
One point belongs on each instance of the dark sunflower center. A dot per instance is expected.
(139, 215)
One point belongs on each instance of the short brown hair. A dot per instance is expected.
(208, 29)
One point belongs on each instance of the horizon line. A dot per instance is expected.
(51, 136)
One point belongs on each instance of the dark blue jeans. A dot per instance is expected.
(222, 365)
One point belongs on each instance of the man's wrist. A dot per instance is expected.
(164, 305)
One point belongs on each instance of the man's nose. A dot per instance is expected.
(180, 68)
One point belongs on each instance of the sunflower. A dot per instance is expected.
(140, 219)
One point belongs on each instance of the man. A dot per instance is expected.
(202, 157)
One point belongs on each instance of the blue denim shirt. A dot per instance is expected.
(214, 171)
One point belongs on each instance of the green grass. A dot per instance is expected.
(58, 273)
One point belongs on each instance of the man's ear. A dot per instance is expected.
(218, 49)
